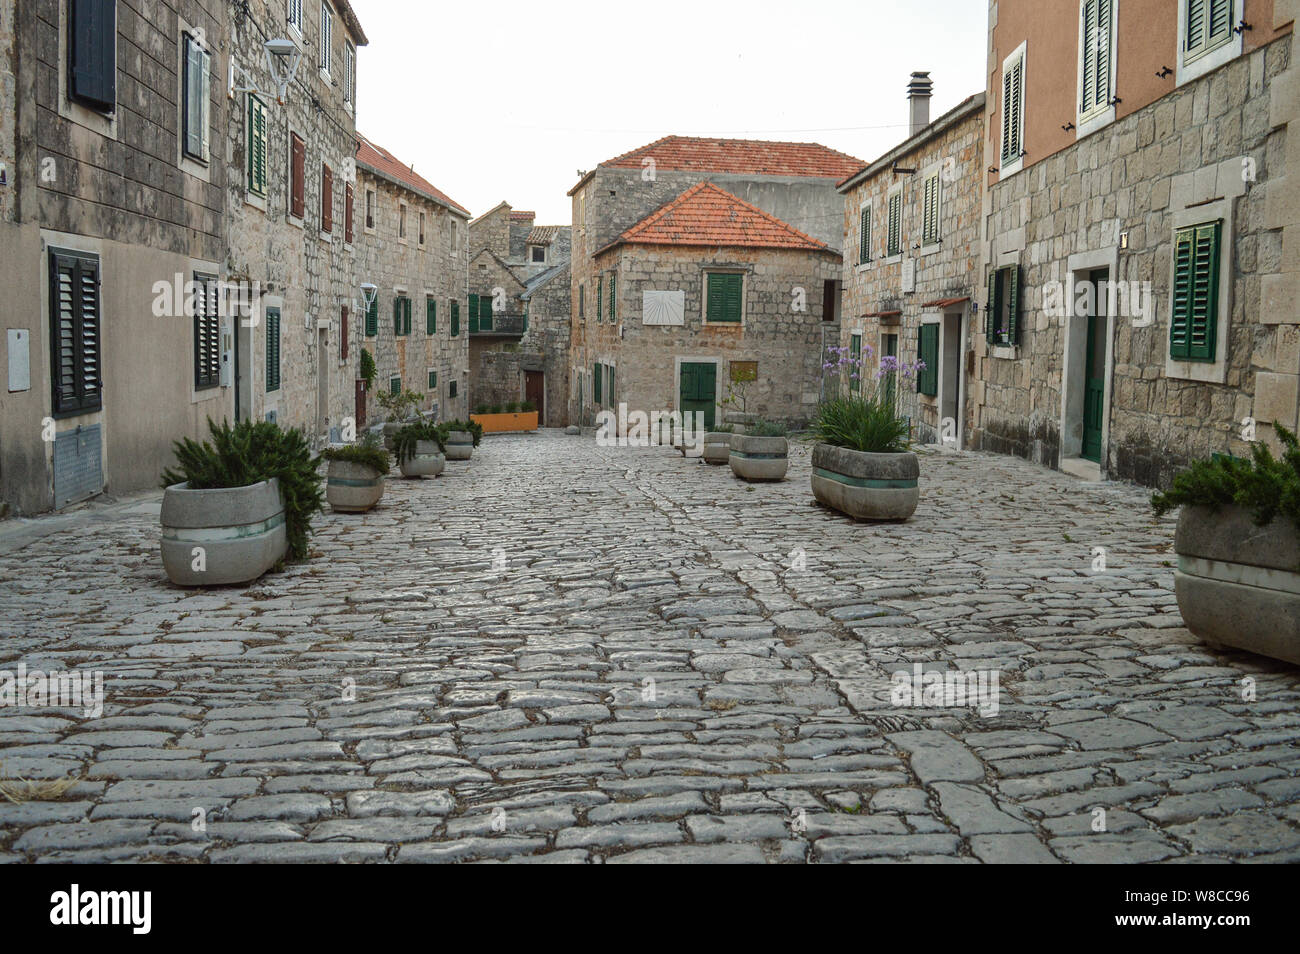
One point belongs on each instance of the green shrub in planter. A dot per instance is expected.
(527, 407)
(512, 407)
(404, 440)
(250, 452)
(368, 452)
(473, 427)
(765, 429)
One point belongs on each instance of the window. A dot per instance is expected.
(600, 298)
(723, 296)
(401, 221)
(195, 99)
(347, 213)
(343, 334)
(294, 15)
(855, 369)
(349, 73)
(927, 351)
(1194, 327)
(272, 349)
(207, 333)
(1013, 102)
(864, 236)
(582, 301)
(930, 210)
(326, 198)
(455, 328)
(1002, 315)
(486, 304)
(433, 380)
(430, 316)
(613, 297)
(595, 384)
(609, 385)
(451, 389)
(297, 175)
(74, 333)
(401, 316)
(395, 385)
(92, 53)
(256, 146)
(370, 209)
(538, 252)
(894, 244)
(326, 37)
(372, 318)
(421, 236)
(1097, 36)
(1208, 26)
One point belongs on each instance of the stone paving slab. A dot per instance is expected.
(670, 666)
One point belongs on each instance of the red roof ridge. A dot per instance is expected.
(378, 158)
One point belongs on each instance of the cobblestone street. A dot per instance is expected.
(567, 653)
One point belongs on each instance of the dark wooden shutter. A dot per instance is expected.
(343, 334)
(455, 322)
(297, 174)
(326, 197)
(613, 298)
(600, 298)
(991, 309)
(1202, 292)
(273, 349)
(473, 313)
(1013, 304)
(92, 52)
(485, 312)
(927, 378)
(397, 317)
(207, 333)
(431, 316)
(347, 213)
(75, 360)
(372, 318)
(864, 236)
(406, 316)
(595, 384)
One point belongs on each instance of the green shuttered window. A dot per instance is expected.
(74, 333)
(401, 317)
(724, 296)
(486, 304)
(927, 351)
(372, 318)
(600, 298)
(256, 146)
(430, 316)
(930, 210)
(1002, 314)
(1209, 26)
(864, 236)
(92, 53)
(1013, 89)
(1193, 329)
(595, 384)
(433, 380)
(1097, 40)
(272, 349)
(455, 321)
(895, 237)
(613, 298)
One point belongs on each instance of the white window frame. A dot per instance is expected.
(190, 37)
(293, 16)
(401, 223)
(1020, 53)
(326, 39)
(1091, 119)
(421, 234)
(933, 171)
(1208, 60)
(349, 74)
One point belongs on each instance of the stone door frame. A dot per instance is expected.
(1074, 343)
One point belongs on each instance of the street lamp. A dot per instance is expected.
(282, 60)
(369, 291)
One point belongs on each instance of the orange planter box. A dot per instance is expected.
(506, 423)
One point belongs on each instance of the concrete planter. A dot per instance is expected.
(508, 423)
(460, 445)
(427, 462)
(240, 531)
(759, 458)
(866, 486)
(739, 420)
(1237, 584)
(717, 447)
(352, 488)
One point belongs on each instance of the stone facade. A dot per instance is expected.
(306, 273)
(888, 298)
(1215, 149)
(404, 268)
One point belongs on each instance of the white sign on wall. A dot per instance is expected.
(663, 308)
(909, 275)
(20, 359)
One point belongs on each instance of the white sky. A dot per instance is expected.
(500, 99)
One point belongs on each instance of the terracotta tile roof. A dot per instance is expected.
(742, 157)
(522, 216)
(705, 215)
(543, 234)
(380, 160)
(944, 302)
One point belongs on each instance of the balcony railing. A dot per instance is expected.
(498, 324)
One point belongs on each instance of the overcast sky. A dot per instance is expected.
(499, 99)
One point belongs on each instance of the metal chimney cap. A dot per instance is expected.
(920, 84)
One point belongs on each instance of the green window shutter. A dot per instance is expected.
(927, 379)
(394, 385)
(430, 316)
(1181, 320)
(1220, 26)
(991, 309)
(855, 352)
(406, 316)
(272, 349)
(433, 380)
(473, 313)
(609, 385)
(724, 294)
(595, 384)
(1204, 297)
(372, 318)
(455, 320)
(1088, 31)
(485, 304)
(613, 298)
(600, 298)
(397, 317)
(256, 146)
(895, 236)
(864, 236)
(930, 211)
(1013, 304)
(1012, 85)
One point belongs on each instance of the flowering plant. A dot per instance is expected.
(864, 415)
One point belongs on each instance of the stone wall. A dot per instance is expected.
(491, 230)
(1217, 144)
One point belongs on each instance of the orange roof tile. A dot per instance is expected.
(386, 164)
(705, 215)
(742, 157)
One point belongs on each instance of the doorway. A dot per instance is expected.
(1085, 392)
(322, 383)
(535, 391)
(698, 390)
(1094, 381)
(950, 389)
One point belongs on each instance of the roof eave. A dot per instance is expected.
(353, 24)
(961, 111)
(449, 205)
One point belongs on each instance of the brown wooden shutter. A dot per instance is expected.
(347, 215)
(297, 174)
(327, 198)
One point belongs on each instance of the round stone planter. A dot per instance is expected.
(217, 537)
(759, 458)
(739, 420)
(427, 462)
(717, 447)
(460, 445)
(866, 486)
(1237, 584)
(352, 488)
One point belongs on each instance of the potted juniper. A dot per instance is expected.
(862, 464)
(460, 438)
(1238, 545)
(419, 447)
(761, 452)
(234, 507)
(354, 474)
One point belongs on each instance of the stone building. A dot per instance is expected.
(413, 244)
(1141, 241)
(110, 210)
(290, 208)
(514, 357)
(713, 297)
(792, 182)
(911, 275)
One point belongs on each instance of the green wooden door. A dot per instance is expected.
(1094, 389)
(699, 390)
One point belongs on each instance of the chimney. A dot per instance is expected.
(918, 101)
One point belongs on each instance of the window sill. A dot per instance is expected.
(1088, 124)
(1206, 372)
(1009, 169)
(1210, 60)
(294, 221)
(256, 201)
(864, 266)
(929, 249)
(326, 236)
(892, 259)
(1005, 352)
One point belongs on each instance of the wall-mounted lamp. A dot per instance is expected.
(899, 170)
(282, 60)
(369, 292)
